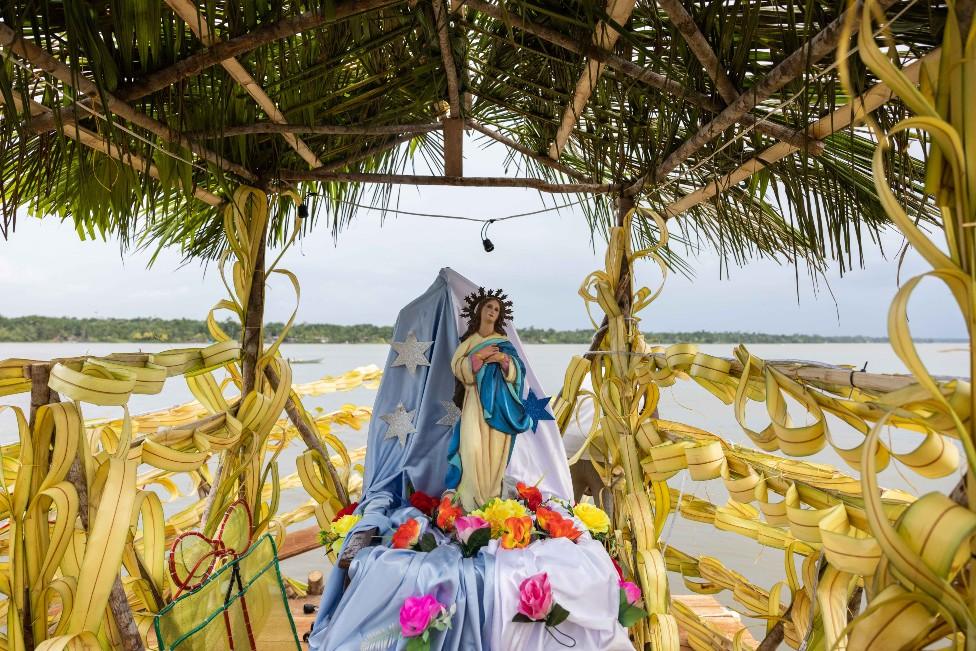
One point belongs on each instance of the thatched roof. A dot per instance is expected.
(656, 99)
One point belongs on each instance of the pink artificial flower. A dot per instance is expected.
(632, 591)
(535, 597)
(467, 525)
(416, 614)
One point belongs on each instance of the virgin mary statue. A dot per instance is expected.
(490, 380)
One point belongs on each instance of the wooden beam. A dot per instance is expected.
(839, 119)
(220, 51)
(786, 71)
(457, 181)
(234, 47)
(101, 144)
(454, 147)
(525, 151)
(643, 75)
(689, 30)
(447, 56)
(604, 38)
(189, 13)
(453, 125)
(35, 56)
(366, 153)
(321, 129)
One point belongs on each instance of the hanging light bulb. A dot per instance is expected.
(485, 242)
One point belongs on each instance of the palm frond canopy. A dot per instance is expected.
(138, 118)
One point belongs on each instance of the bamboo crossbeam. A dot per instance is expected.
(869, 101)
(604, 38)
(189, 13)
(219, 51)
(786, 71)
(35, 56)
(457, 181)
(366, 153)
(643, 75)
(699, 46)
(102, 145)
(321, 129)
(525, 151)
(233, 47)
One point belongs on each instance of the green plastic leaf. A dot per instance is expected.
(557, 615)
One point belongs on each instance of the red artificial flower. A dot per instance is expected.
(406, 535)
(447, 513)
(616, 566)
(530, 494)
(346, 510)
(423, 502)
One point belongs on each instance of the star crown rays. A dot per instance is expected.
(474, 299)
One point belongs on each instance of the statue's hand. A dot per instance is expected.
(486, 354)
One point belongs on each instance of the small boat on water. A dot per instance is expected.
(304, 361)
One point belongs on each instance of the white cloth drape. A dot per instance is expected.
(583, 582)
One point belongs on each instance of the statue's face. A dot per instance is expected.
(489, 313)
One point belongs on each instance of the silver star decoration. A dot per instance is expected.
(411, 353)
(451, 413)
(400, 424)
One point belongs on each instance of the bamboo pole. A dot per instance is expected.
(234, 47)
(604, 38)
(118, 603)
(453, 125)
(643, 75)
(322, 129)
(457, 181)
(689, 30)
(841, 118)
(447, 56)
(309, 436)
(102, 145)
(786, 71)
(525, 151)
(12, 42)
(188, 11)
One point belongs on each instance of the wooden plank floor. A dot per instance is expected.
(719, 617)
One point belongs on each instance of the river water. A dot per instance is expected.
(685, 402)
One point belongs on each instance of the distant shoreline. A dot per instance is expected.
(41, 329)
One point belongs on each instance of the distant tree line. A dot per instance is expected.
(44, 328)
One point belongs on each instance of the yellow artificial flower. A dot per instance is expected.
(593, 517)
(497, 511)
(340, 529)
(344, 525)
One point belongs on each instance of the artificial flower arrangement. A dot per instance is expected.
(515, 523)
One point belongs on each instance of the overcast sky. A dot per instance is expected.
(372, 270)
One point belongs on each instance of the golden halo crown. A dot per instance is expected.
(474, 299)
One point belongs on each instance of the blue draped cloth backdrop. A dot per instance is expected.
(382, 578)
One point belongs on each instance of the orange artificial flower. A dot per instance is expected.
(544, 515)
(447, 513)
(556, 525)
(407, 535)
(531, 495)
(518, 532)
(563, 528)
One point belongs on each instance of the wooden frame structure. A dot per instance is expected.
(559, 159)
